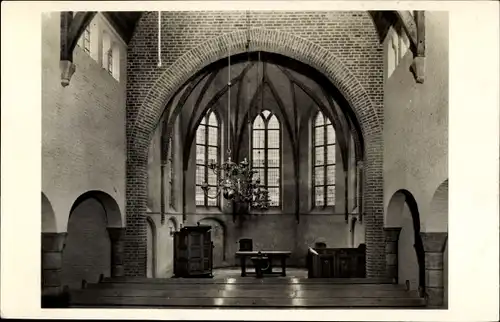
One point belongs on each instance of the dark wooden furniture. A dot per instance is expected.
(270, 254)
(337, 262)
(260, 262)
(246, 244)
(193, 252)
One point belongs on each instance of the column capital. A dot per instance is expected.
(53, 242)
(116, 233)
(392, 234)
(434, 242)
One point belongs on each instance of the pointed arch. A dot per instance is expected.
(151, 108)
(208, 139)
(266, 153)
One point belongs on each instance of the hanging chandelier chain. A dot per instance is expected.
(229, 102)
(159, 38)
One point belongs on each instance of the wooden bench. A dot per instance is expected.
(269, 254)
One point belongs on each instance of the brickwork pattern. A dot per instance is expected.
(342, 45)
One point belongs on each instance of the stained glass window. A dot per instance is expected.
(324, 161)
(207, 151)
(86, 40)
(266, 148)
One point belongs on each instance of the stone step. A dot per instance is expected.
(247, 280)
(244, 286)
(233, 292)
(90, 300)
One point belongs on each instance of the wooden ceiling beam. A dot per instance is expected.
(72, 27)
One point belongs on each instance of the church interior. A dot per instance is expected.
(245, 159)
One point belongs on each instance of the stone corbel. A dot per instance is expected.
(72, 26)
(67, 70)
(418, 65)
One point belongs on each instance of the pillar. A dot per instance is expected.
(116, 235)
(434, 244)
(53, 294)
(391, 252)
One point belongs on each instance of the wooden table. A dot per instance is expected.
(270, 254)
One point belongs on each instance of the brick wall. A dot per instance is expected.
(83, 128)
(342, 45)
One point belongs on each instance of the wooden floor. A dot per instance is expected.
(245, 292)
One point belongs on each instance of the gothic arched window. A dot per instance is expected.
(323, 161)
(207, 150)
(266, 147)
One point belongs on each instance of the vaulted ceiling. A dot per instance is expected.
(288, 88)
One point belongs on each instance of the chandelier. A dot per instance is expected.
(237, 184)
(236, 180)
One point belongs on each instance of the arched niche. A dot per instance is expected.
(151, 248)
(218, 235)
(87, 253)
(172, 227)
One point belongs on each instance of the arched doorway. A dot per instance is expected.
(403, 212)
(218, 239)
(87, 254)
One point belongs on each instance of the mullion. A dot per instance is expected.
(266, 154)
(206, 157)
(325, 156)
(314, 164)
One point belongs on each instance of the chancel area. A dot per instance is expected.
(245, 159)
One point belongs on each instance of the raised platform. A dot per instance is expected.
(245, 292)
